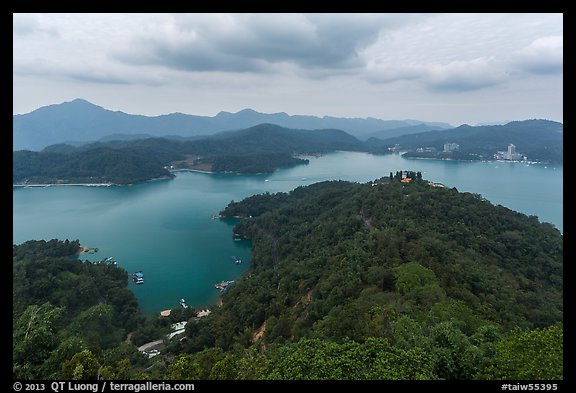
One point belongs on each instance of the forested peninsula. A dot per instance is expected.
(393, 279)
(260, 149)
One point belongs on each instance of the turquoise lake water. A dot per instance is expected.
(164, 228)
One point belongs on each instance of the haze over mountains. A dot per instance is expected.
(80, 121)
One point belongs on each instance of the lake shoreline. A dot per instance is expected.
(32, 185)
(65, 184)
(485, 161)
(193, 170)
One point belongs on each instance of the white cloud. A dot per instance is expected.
(542, 56)
(465, 75)
(455, 76)
(389, 73)
(30, 24)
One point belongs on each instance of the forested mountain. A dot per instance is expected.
(539, 140)
(406, 130)
(262, 148)
(384, 280)
(80, 121)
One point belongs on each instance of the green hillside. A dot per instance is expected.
(435, 278)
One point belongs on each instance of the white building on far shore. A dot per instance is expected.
(510, 155)
(450, 147)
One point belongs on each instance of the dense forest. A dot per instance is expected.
(99, 165)
(393, 279)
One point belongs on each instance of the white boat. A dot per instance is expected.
(183, 303)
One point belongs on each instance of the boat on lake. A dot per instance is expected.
(109, 261)
(236, 260)
(183, 303)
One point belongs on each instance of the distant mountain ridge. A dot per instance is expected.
(80, 121)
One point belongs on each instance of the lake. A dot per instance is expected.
(164, 227)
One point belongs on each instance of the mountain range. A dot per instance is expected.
(80, 121)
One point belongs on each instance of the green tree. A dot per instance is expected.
(455, 357)
(240, 364)
(374, 359)
(411, 276)
(185, 367)
(96, 326)
(82, 366)
(408, 333)
(532, 355)
(67, 348)
(34, 336)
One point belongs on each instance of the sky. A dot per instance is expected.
(453, 68)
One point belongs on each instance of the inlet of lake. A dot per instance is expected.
(164, 228)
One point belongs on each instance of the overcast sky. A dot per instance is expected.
(455, 68)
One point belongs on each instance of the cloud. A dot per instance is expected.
(455, 76)
(258, 42)
(467, 52)
(85, 73)
(468, 75)
(542, 56)
(389, 73)
(30, 24)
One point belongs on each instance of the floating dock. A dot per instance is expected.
(223, 285)
(137, 277)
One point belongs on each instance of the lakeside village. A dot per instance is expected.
(153, 348)
(452, 151)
